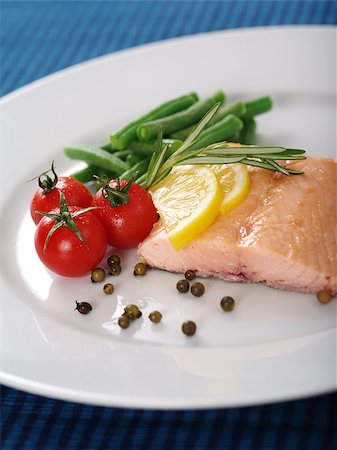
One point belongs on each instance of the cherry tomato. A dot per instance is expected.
(64, 253)
(47, 196)
(128, 224)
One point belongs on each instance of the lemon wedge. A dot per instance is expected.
(235, 182)
(188, 199)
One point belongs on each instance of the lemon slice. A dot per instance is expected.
(188, 200)
(235, 182)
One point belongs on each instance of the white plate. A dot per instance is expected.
(275, 345)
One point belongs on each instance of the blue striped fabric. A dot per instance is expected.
(40, 37)
(33, 422)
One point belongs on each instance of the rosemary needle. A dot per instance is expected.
(265, 157)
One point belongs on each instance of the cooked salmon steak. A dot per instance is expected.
(283, 234)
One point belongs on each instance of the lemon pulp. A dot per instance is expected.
(188, 200)
(235, 182)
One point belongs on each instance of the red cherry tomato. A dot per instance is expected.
(47, 196)
(129, 224)
(65, 254)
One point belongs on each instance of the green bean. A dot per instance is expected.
(132, 159)
(237, 109)
(184, 133)
(258, 106)
(218, 132)
(247, 133)
(147, 148)
(173, 145)
(179, 120)
(108, 147)
(127, 134)
(137, 169)
(233, 137)
(85, 175)
(97, 157)
(122, 154)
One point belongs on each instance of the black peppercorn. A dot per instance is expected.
(189, 328)
(83, 307)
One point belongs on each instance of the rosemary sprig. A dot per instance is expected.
(265, 157)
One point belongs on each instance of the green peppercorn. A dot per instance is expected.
(108, 288)
(183, 286)
(197, 289)
(189, 328)
(123, 321)
(98, 275)
(115, 269)
(140, 269)
(324, 296)
(113, 259)
(83, 307)
(132, 312)
(155, 316)
(227, 304)
(190, 275)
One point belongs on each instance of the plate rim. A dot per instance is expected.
(143, 403)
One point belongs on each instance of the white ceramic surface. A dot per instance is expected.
(274, 346)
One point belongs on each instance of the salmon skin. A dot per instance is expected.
(282, 235)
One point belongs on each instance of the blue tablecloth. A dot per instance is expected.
(41, 37)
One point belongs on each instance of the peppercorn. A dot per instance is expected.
(108, 288)
(183, 286)
(113, 259)
(124, 321)
(97, 275)
(140, 269)
(83, 307)
(227, 304)
(189, 328)
(132, 312)
(115, 269)
(155, 316)
(197, 289)
(324, 296)
(189, 275)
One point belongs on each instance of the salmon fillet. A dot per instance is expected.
(283, 234)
